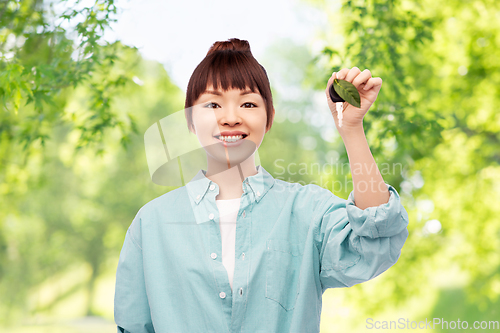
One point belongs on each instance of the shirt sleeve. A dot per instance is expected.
(131, 307)
(356, 245)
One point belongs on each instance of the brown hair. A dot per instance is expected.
(231, 65)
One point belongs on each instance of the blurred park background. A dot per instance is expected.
(76, 99)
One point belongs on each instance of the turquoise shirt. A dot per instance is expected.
(292, 243)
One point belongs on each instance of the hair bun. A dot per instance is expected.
(233, 44)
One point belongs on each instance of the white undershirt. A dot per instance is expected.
(228, 211)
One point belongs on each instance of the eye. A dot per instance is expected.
(254, 106)
(209, 105)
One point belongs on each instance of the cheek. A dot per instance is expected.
(204, 122)
(255, 117)
(260, 122)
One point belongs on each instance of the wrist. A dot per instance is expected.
(347, 131)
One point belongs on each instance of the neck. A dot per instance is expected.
(230, 179)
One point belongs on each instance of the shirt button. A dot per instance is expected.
(212, 187)
(214, 255)
(241, 291)
(211, 216)
(258, 193)
(222, 294)
(198, 197)
(244, 214)
(243, 256)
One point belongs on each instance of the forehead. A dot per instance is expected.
(231, 91)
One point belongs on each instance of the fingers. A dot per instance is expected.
(342, 73)
(362, 78)
(330, 82)
(374, 81)
(359, 79)
(353, 72)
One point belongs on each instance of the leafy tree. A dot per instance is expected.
(437, 113)
(58, 83)
(74, 206)
(45, 54)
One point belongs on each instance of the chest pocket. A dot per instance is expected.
(283, 261)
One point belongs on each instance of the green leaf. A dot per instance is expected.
(348, 92)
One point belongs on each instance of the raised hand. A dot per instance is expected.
(368, 88)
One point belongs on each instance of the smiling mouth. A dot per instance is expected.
(229, 139)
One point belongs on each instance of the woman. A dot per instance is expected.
(236, 250)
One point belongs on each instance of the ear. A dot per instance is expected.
(272, 119)
(192, 129)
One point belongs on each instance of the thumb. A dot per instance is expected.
(330, 82)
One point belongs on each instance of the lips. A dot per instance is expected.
(230, 144)
(231, 133)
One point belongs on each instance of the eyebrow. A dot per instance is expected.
(246, 92)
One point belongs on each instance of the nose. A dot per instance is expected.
(230, 117)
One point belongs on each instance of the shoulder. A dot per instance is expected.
(166, 205)
(168, 200)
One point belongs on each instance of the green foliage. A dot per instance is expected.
(69, 205)
(68, 108)
(439, 105)
(42, 61)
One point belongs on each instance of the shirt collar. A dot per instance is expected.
(259, 184)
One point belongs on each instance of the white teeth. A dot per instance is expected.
(233, 138)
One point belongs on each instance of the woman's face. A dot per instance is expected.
(231, 124)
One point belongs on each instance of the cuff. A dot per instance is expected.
(385, 220)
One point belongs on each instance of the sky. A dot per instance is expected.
(178, 34)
